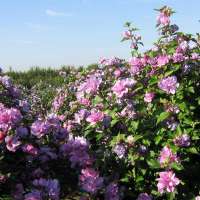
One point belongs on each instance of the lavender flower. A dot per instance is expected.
(120, 150)
(182, 140)
(112, 192)
(90, 181)
(169, 84)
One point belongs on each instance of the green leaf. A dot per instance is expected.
(192, 150)
(154, 164)
(162, 117)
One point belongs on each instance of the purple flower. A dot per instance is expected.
(172, 123)
(90, 86)
(144, 196)
(112, 192)
(81, 115)
(182, 140)
(34, 195)
(22, 132)
(40, 128)
(47, 153)
(120, 150)
(167, 182)
(178, 57)
(9, 117)
(90, 181)
(49, 188)
(24, 105)
(169, 84)
(6, 81)
(77, 150)
(136, 65)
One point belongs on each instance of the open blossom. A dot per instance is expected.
(178, 57)
(39, 128)
(58, 101)
(120, 150)
(95, 117)
(81, 115)
(12, 143)
(169, 84)
(90, 86)
(167, 182)
(197, 198)
(84, 101)
(77, 151)
(195, 56)
(127, 34)
(9, 117)
(117, 73)
(167, 156)
(6, 81)
(136, 65)
(121, 87)
(112, 192)
(49, 188)
(182, 140)
(148, 97)
(162, 60)
(183, 46)
(163, 19)
(90, 181)
(144, 196)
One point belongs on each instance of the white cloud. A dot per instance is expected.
(54, 13)
(36, 27)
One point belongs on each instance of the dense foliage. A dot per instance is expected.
(119, 130)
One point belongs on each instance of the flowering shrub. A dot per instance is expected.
(122, 130)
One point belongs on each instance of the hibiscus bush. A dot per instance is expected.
(119, 130)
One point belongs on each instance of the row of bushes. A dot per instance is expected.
(119, 130)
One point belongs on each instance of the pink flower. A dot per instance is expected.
(163, 19)
(136, 65)
(117, 73)
(167, 156)
(169, 84)
(84, 101)
(29, 148)
(121, 87)
(162, 60)
(90, 180)
(195, 56)
(167, 182)
(197, 198)
(12, 143)
(148, 97)
(95, 117)
(90, 86)
(127, 34)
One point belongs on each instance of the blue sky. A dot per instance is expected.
(79, 32)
